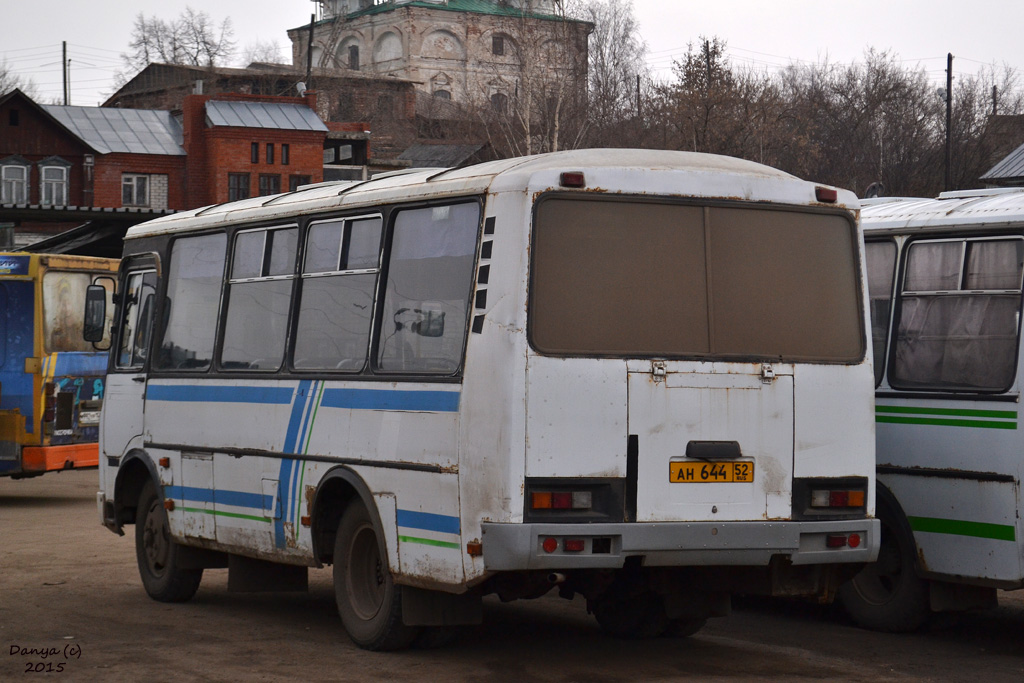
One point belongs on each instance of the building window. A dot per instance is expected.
(270, 152)
(499, 102)
(269, 184)
(254, 153)
(238, 186)
(285, 154)
(14, 189)
(498, 45)
(353, 57)
(134, 190)
(296, 181)
(14, 117)
(442, 95)
(54, 180)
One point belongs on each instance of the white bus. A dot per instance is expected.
(945, 288)
(643, 377)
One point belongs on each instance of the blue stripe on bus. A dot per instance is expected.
(376, 399)
(219, 394)
(79, 364)
(240, 499)
(293, 437)
(428, 521)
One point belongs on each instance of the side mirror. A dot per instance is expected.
(95, 313)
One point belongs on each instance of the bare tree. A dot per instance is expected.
(191, 39)
(262, 51)
(9, 80)
(616, 56)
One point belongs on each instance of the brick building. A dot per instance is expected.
(62, 166)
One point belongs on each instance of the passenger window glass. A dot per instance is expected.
(961, 338)
(257, 307)
(994, 264)
(63, 303)
(881, 263)
(248, 261)
(934, 267)
(430, 278)
(194, 278)
(336, 305)
(138, 306)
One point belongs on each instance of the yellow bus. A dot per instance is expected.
(51, 380)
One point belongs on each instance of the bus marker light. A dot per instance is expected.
(835, 541)
(854, 541)
(165, 462)
(540, 500)
(475, 548)
(839, 499)
(561, 500)
(826, 195)
(306, 521)
(169, 504)
(573, 545)
(550, 545)
(582, 500)
(856, 499)
(572, 179)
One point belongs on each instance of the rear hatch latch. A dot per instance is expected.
(767, 373)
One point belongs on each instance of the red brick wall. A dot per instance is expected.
(213, 153)
(109, 167)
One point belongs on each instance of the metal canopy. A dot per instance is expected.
(262, 115)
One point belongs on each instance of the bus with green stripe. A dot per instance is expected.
(944, 279)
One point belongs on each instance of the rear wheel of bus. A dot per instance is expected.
(369, 602)
(158, 555)
(889, 595)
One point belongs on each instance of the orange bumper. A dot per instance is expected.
(52, 458)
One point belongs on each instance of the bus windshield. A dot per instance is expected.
(618, 278)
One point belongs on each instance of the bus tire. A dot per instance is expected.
(157, 554)
(369, 602)
(889, 595)
(684, 628)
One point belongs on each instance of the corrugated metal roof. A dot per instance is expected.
(132, 131)
(1010, 167)
(262, 115)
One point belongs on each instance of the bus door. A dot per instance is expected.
(122, 419)
(713, 444)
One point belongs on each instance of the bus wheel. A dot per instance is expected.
(684, 628)
(157, 554)
(889, 595)
(369, 602)
(637, 616)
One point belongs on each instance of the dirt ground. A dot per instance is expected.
(72, 608)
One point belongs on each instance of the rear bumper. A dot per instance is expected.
(512, 547)
(53, 458)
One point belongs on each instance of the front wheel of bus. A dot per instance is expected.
(369, 602)
(157, 553)
(889, 595)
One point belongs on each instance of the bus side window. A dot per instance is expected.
(339, 278)
(430, 278)
(881, 263)
(259, 297)
(958, 318)
(194, 277)
(136, 320)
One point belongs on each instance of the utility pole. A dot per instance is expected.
(949, 121)
(64, 69)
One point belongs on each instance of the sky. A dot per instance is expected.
(766, 34)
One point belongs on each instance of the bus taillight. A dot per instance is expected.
(561, 500)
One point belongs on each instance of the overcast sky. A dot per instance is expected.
(765, 33)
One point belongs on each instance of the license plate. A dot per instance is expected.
(710, 472)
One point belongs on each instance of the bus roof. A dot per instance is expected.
(963, 209)
(634, 172)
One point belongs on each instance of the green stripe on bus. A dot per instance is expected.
(428, 541)
(893, 419)
(221, 513)
(998, 532)
(1007, 414)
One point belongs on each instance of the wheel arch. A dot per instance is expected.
(135, 470)
(338, 489)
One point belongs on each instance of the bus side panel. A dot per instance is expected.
(835, 429)
(492, 428)
(17, 408)
(962, 527)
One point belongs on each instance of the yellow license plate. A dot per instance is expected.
(729, 472)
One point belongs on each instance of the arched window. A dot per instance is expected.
(53, 181)
(442, 95)
(499, 102)
(14, 180)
